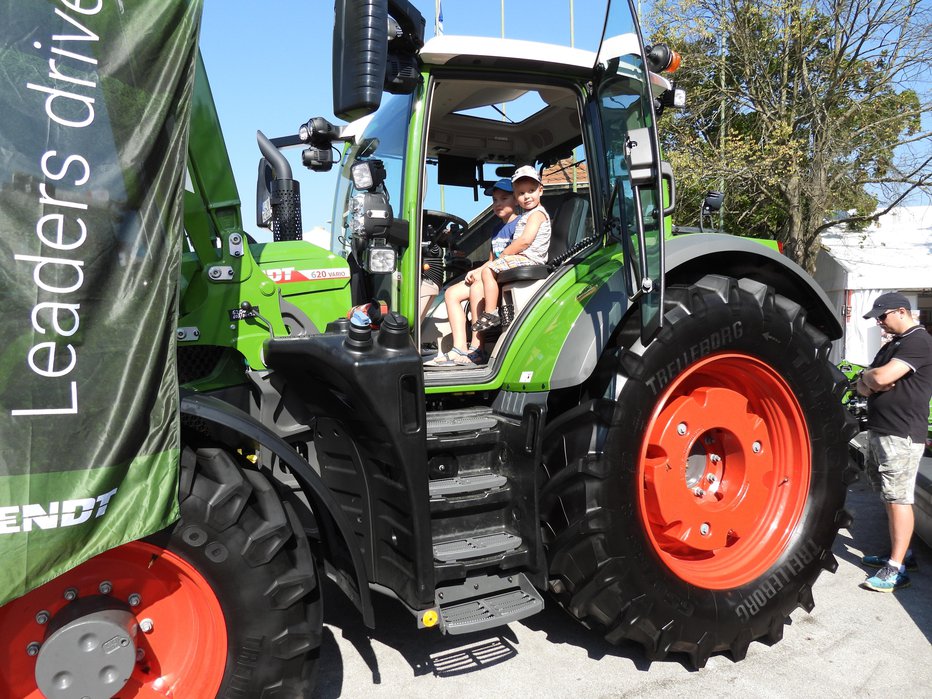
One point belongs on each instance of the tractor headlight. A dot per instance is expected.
(358, 216)
(380, 258)
(368, 175)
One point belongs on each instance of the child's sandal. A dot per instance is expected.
(486, 321)
(455, 357)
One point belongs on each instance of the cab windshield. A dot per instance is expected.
(384, 137)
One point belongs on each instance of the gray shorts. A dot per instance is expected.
(892, 465)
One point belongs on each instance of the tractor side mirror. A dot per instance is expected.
(711, 204)
(360, 52)
(264, 194)
(372, 52)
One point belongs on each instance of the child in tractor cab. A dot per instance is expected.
(471, 287)
(529, 246)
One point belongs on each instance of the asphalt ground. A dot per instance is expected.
(855, 643)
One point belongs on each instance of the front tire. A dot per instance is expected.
(251, 548)
(225, 602)
(693, 499)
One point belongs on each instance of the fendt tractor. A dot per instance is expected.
(655, 443)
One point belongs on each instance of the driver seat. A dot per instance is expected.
(568, 226)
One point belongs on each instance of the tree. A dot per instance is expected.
(808, 112)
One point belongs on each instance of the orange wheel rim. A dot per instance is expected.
(724, 471)
(182, 655)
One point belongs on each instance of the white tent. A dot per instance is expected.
(855, 267)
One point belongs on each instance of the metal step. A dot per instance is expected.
(467, 420)
(476, 547)
(485, 602)
(463, 485)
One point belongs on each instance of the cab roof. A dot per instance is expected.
(513, 54)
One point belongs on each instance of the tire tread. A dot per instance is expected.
(609, 591)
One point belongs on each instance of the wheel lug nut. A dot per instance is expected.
(140, 654)
(146, 625)
(681, 428)
(32, 649)
(756, 447)
(105, 587)
(711, 478)
(698, 492)
(714, 458)
(704, 529)
(134, 599)
(42, 617)
(71, 594)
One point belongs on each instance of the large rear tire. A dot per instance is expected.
(226, 601)
(693, 496)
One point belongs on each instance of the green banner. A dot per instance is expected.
(95, 97)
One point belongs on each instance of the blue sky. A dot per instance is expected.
(269, 66)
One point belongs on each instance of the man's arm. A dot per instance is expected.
(884, 377)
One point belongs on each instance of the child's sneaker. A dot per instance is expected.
(881, 561)
(887, 579)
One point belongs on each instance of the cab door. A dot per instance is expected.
(633, 198)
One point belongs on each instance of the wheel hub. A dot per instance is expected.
(90, 651)
(724, 471)
(704, 478)
(156, 629)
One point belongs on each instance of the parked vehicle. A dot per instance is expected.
(657, 441)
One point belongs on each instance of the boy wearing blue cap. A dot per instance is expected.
(463, 354)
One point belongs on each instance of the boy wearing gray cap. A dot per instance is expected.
(898, 386)
(529, 247)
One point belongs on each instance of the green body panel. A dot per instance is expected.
(540, 339)
(312, 278)
(211, 200)
(297, 272)
(772, 244)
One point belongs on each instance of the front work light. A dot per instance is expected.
(368, 175)
(370, 215)
(379, 258)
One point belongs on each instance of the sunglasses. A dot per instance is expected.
(883, 316)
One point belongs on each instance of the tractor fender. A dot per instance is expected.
(688, 258)
(223, 414)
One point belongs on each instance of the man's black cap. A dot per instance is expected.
(888, 302)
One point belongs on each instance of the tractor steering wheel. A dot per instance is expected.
(440, 227)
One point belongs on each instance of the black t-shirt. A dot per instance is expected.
(903, 411)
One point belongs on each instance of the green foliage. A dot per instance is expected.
(798, 109)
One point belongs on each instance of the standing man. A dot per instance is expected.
(898, 386)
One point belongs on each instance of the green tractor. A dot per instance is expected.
(656, 443)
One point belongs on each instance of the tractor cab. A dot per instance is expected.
(411, 216)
